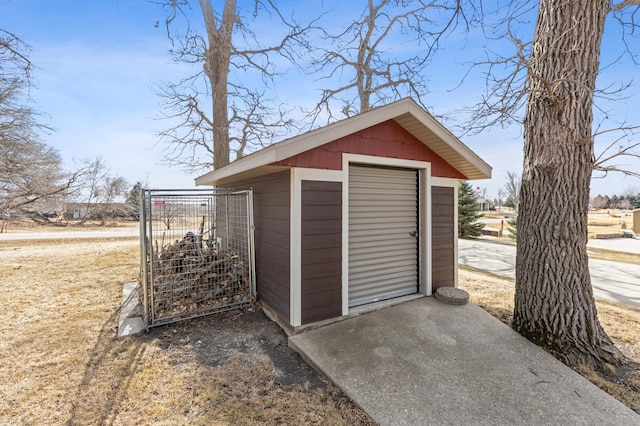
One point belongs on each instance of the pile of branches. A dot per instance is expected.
(192, 277)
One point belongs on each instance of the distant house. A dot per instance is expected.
(94, 210)
(483, 204)
(78, 210)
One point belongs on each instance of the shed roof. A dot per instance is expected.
(406, 112)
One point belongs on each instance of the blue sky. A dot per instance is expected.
(98, 61)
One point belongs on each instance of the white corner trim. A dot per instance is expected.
(318, 174)
(345, 237)
(383, 161)
(441, 181)
(295, 247)
(426, 284)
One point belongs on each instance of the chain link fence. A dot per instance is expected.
(197, 253)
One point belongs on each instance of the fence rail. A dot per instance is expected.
(197, 253)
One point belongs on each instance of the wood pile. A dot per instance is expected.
(192, 277)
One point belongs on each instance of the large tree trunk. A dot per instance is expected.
(216, 67)
(554, 304)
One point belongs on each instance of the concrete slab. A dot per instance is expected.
(424, 362)
(130, 311)
(625, 245)
(618, 282)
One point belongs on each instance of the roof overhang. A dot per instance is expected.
(405, 112)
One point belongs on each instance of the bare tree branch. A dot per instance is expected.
(623, 4)
(508, 82)
(211, 110)
(368, 75)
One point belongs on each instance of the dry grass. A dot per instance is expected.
(599, 222)
(608, 222)
(609, 383)
(495, 295)
(62, 364)
(59, 225)
(614, 256)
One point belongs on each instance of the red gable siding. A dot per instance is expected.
(387, 139)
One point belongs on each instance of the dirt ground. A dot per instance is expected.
(62, 362)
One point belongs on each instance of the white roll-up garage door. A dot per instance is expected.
(383, 224)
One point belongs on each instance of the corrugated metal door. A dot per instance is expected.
(383, 228)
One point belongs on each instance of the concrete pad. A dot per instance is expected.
(425, 362)
(131, 321)
(625, 245)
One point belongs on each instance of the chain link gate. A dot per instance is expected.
(197, 253)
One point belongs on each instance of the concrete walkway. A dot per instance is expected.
(62, 235)
(426, 363)
(615, 281)
(624, 245)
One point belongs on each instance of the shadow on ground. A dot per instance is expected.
(215, 350)
(216, 338)
(104, 383)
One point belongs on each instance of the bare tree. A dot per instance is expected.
(600, 202)
(500, 198)
(30, 174)
(508, 79)
(168, 214)
(367, 73)
(554, 304)
(113, 201)
(102, 195)
(512, 189)
(91, 186)
(552, 79)
(624, 205)
(215, 114)
(30, 171)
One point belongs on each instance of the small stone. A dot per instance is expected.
(452, 295)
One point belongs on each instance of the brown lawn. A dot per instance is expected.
(600, 222)
(62, 364)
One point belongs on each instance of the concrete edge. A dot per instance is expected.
(130, 311)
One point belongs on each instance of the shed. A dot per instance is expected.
(354, 213)
(635, 220)
(483, 204)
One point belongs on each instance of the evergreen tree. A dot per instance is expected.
(513, 227)
(133, 201)
(468, 225)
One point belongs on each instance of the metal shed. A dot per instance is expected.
(360, 211)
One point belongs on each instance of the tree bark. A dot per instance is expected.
(216, 67)
(554, 304)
